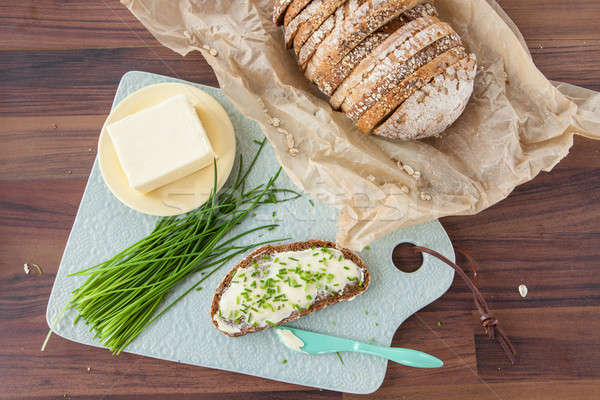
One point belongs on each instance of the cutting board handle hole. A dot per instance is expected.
(405, 259)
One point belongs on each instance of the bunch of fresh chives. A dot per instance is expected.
(122, 295)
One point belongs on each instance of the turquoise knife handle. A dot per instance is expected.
(412, 358)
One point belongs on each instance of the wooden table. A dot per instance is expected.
(60, 63)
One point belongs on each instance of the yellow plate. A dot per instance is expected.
(189, 192)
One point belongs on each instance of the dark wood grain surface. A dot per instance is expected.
(60, 64)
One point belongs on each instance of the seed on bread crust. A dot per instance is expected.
(393, 98)
(356, 104)
(310, 46)
(308, 27)
(445, 95)
(294, 9)
(340, 72)
(368, 18)
(404, 41)
(279, 9)
(292, 28)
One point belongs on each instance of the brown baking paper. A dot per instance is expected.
(516, 124)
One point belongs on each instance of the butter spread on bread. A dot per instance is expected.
(277, 284)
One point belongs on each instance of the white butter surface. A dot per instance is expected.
(161, 144)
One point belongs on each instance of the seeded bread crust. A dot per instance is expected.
(405, 40)
(352, 59)
(366, 96)
(395, 97)
(292, 28)
(279, 9)
(340, 16)
(308, 27)
(349, 291)
(294, 9)
(310, 46)
(368, 18)
(372, 56)
(369, 48)
(446, 96)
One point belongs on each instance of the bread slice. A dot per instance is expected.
(400, 45)
(239, 326)
(387, 75)
(293, 10)
(340, 16)
(368, 18)
(364, 49)
(307, 13)
(310, 46)
(306, 29)
(279, 9)
(393, 98)
(434, 107)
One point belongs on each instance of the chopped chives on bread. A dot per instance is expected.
(277, 284)
(382, 62)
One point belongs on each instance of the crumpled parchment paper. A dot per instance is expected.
(516, 124)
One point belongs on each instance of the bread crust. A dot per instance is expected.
(368, 18)
(294, 9)
(446, 96)
(291, 29)
(407, 38)
(342, 69)
(387, 78)
(407, 87)
(279, 9)
(350, 290)
(310, 46)
(308, 27)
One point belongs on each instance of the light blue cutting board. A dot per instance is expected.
(104, 226)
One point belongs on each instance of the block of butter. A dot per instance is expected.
(161, 144)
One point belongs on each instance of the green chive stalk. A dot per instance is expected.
(123, 294)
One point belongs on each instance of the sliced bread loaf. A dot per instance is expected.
(277, 284)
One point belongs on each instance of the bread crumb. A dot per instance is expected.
(275, 122)
(523, 290)
(54, 126)
(213, 52)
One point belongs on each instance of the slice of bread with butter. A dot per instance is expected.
(277, 284)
